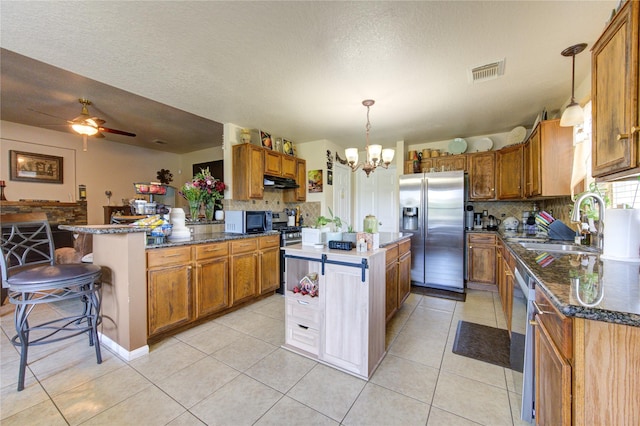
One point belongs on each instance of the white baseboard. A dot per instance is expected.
(122, 352)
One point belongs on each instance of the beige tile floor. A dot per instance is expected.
(232, 371)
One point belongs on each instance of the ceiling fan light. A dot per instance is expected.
(572, 116)
(84, 129)
(387, 155)
(352, 155)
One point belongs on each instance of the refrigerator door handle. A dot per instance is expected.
(425, 207)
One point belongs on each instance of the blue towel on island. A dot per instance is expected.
(559, 231)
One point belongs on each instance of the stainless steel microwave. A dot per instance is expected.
(248, 221)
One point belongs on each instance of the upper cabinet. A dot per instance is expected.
(548, 156)
(299, 193)
(615, 94)
(482, 176)
(251, 163)
(510, 168)
(248, 172)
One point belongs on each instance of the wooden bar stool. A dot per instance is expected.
(32, 277)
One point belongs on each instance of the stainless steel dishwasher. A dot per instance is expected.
(522, 339)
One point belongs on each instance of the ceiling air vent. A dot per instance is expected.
(486, 72)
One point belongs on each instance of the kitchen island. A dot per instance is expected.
(123, 253)
(335, 307)
(151, 291)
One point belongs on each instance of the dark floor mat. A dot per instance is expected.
(443, 294)
(484, 343)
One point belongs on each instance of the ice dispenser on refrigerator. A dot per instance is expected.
(410, 218)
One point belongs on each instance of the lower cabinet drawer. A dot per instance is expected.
(304, 313)
(303, 337)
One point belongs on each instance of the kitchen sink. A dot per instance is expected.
(558, 248)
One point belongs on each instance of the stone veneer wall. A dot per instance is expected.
(57, 213)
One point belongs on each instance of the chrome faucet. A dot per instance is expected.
(575, 215)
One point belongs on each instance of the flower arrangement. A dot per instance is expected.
(203, 189)
(212, 189)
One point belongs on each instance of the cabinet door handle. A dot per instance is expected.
(303, 326)
(539, 310)
(628, 135)
(303, 302)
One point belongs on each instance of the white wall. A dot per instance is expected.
(106, 165)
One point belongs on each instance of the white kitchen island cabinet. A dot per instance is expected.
(344, 325)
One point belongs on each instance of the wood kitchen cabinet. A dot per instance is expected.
(277, 164)
(482, 176)
(391, 281)
(481, 258)
(211, 278)
(586, 372)
(553, 352)
(398, 276)
(269, 263)
(169, 289)
(404, 270)
(615, 94)
(451, 163)
(300, 193)
(510, 172)
(548, 155)
(244, 269)
(505, 266)
(248, 171)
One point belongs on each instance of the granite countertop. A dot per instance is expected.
(193, 239)
(213, 237)
(580, 285)
(584, 285)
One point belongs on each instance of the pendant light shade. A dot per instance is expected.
(376, 156)
(573, 115)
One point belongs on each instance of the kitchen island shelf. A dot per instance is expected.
(344, 327)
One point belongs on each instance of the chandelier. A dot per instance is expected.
(376, 156)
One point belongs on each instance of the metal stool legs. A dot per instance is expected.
(86, 321)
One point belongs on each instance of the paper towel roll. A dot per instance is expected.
(622, 235)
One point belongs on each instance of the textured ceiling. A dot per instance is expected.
(300, 70)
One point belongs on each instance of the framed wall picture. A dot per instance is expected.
(265, 138)
(32, 167)
(287, 147)
(315, 180)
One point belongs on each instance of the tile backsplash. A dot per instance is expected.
(559, 208)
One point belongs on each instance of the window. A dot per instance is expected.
(626, 193)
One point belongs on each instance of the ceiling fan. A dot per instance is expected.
(86, 125)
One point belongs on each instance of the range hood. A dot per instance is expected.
(279, 182)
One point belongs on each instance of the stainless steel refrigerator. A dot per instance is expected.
(432, 210)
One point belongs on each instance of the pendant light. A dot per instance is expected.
(376, 156)
(573, 114)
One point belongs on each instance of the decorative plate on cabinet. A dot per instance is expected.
(457, 146)
(484, 144)
(517, 135)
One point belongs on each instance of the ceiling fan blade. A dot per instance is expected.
(49, 115)
(116, 132)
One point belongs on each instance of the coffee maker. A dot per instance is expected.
(477, 221)
(468, 218)
(410, 218)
